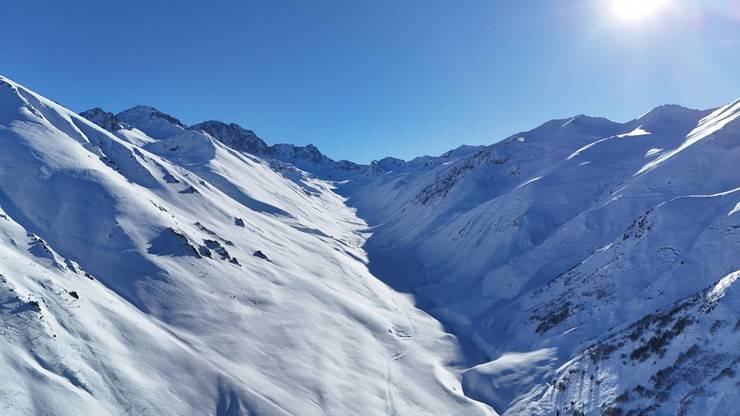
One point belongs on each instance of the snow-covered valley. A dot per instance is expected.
(585, 267)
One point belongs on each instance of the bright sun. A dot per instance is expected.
(633, 10)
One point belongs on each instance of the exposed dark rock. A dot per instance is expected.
(260, 255)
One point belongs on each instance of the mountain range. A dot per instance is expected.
(585, 267)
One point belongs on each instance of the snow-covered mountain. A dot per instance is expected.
(552, 243)
(195, 282)
(585, 267)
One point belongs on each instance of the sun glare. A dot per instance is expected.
(635, 10)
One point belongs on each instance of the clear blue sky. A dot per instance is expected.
(364, 79)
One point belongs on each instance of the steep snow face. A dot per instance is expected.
(184, 277)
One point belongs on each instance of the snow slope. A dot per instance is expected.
(158, 272)
(679, 360)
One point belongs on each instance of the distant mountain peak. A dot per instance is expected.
(309, 153)
(145, 110)
(151, 121)
(586, 120)
(671, 107)
(668, 110)
(233, 135)
(104, 119)
(670, 114)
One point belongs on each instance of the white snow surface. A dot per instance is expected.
(585, 267)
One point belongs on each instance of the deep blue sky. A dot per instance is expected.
(365, 79)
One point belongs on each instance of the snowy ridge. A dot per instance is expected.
(143, 124)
